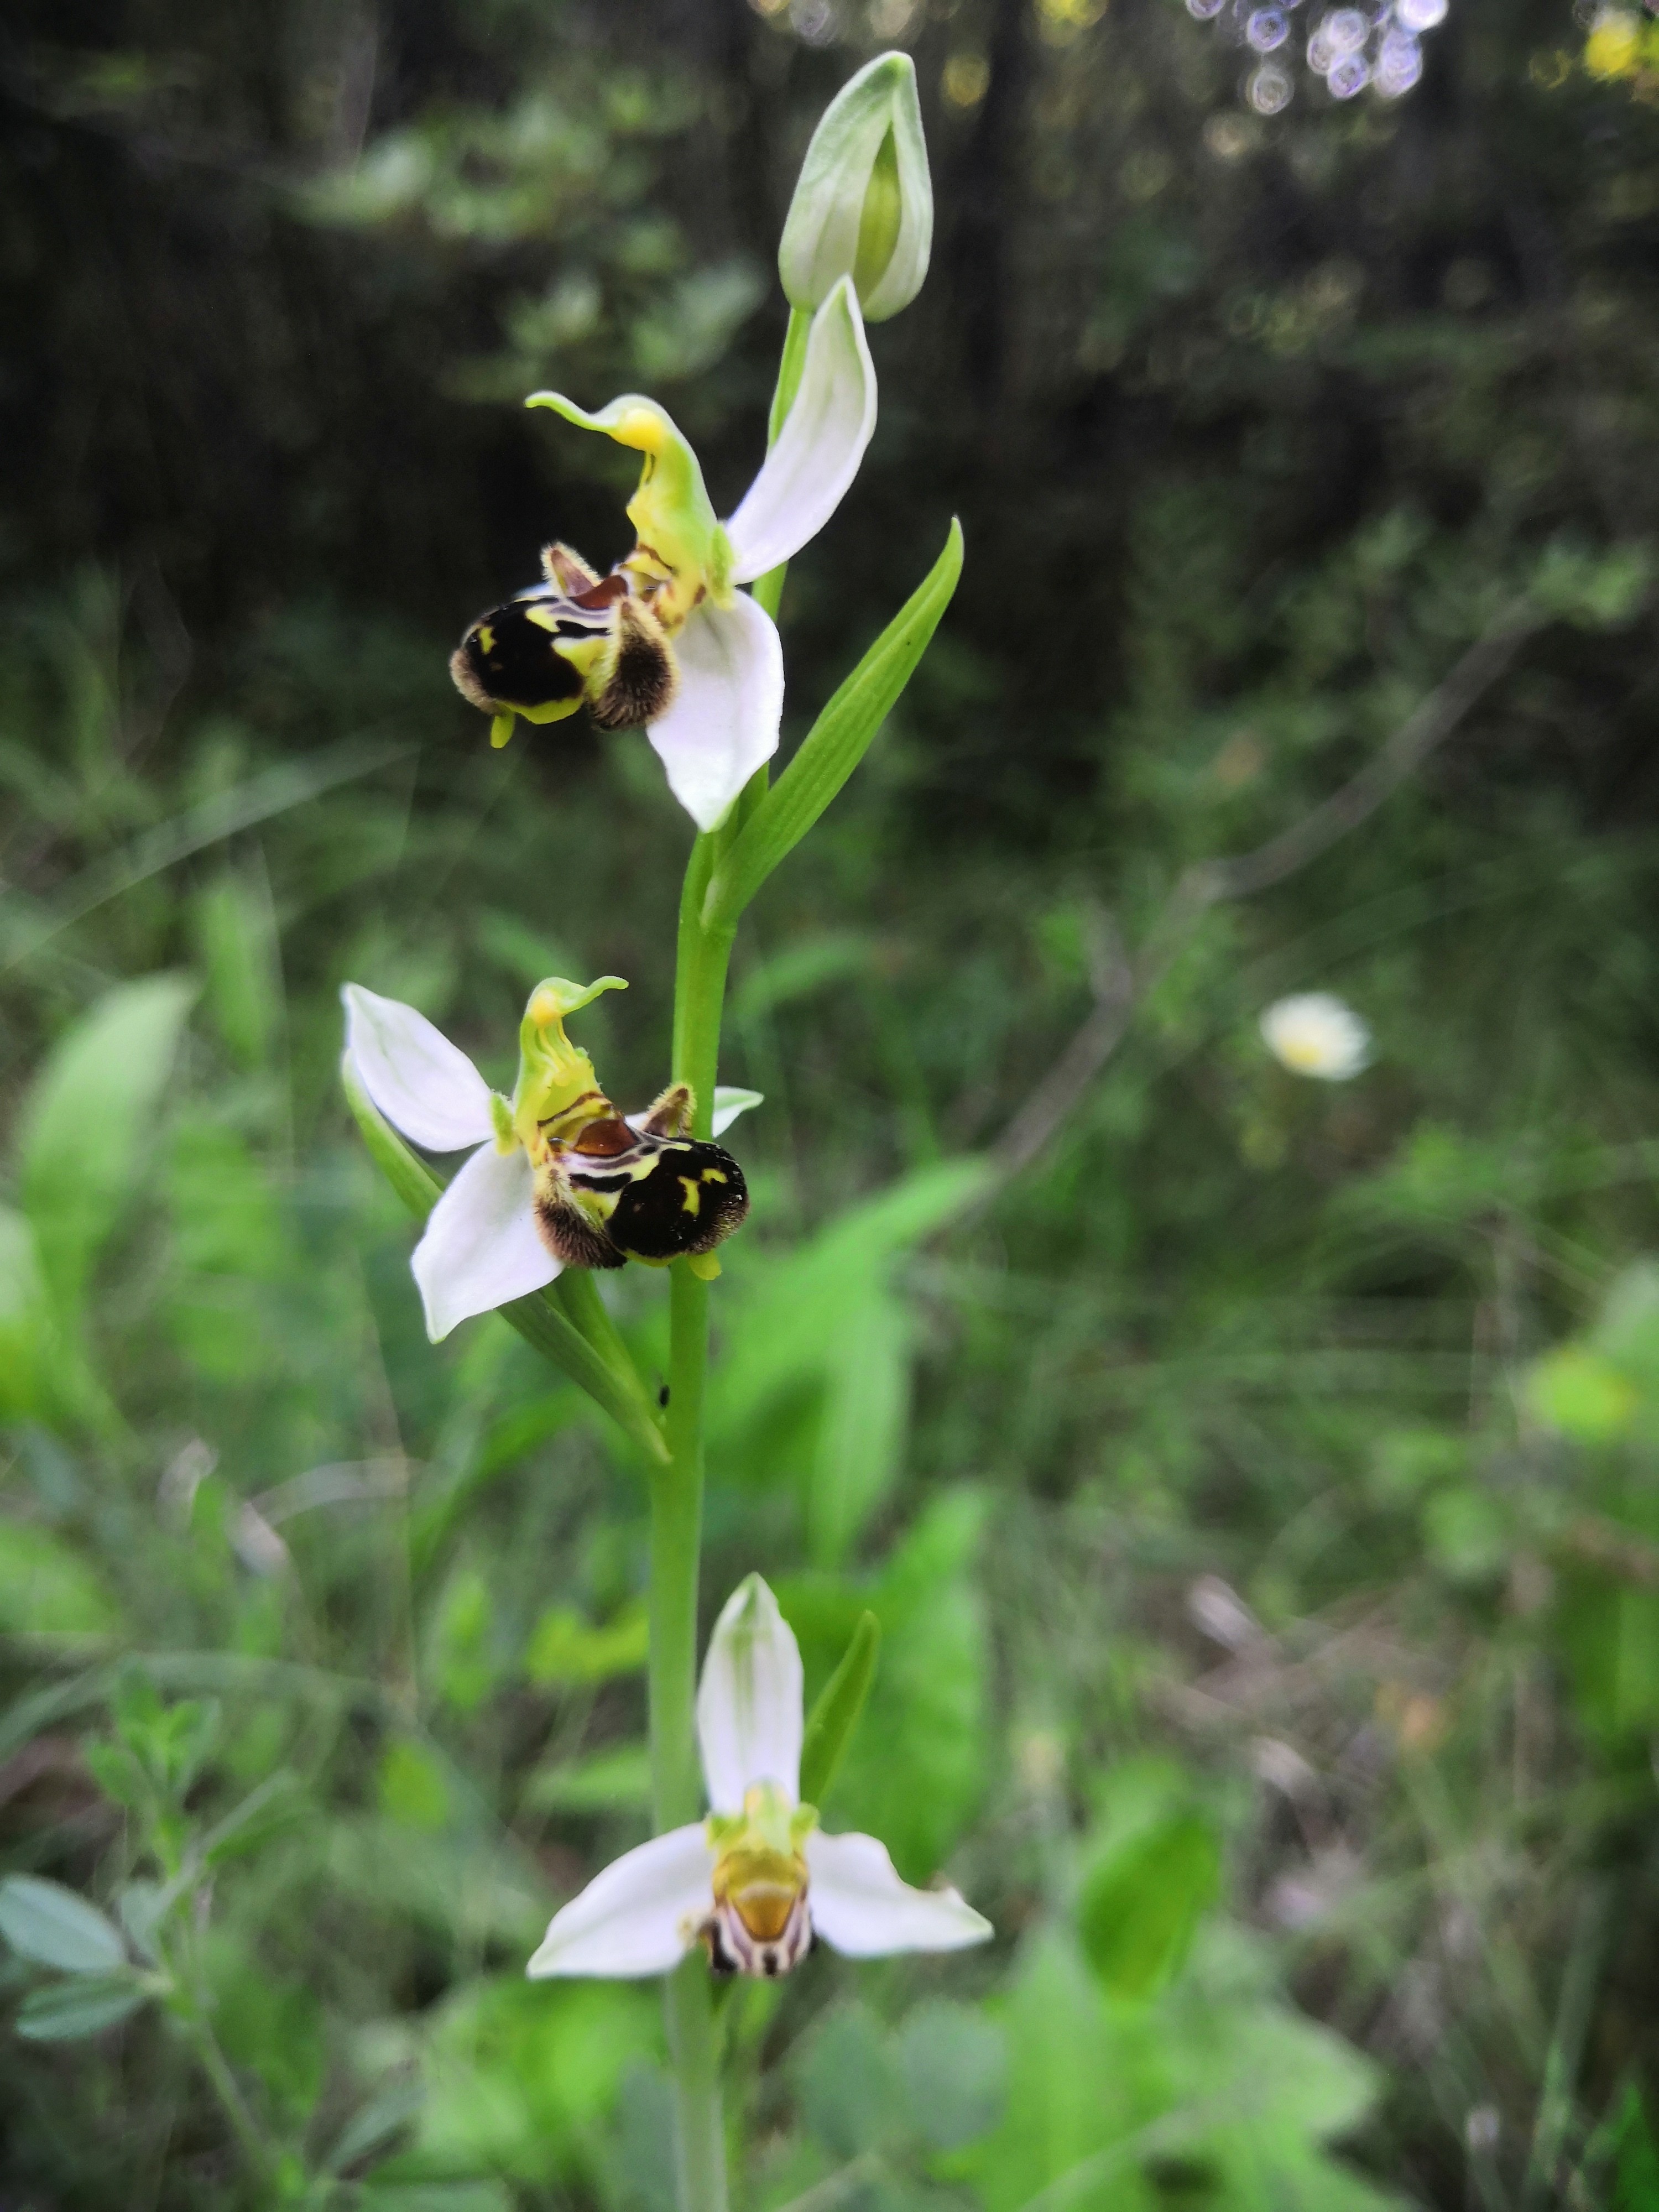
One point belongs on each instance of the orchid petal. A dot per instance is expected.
(804, 477)
(729, 1103)
(723, 722)
(423, 1084)
(861, 1908)
(749, 1702)
(481, 1247)
(639, 1916)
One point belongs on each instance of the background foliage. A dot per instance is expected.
(1258, 1483)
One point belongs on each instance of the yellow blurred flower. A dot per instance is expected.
(1614, 48)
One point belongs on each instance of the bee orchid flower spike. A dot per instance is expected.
(667, 639)
(558, 1178)
(755, 1881)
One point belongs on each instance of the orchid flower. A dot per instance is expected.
(759, 1878)
(557, 1177)
(667, 639)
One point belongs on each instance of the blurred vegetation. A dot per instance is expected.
(1257, 1483)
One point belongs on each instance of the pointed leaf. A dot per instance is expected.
(56, 1927)
(88, 1117)
(837, 1710)
(64, 2011)
(836, 744)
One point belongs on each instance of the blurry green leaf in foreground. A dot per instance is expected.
(90, 1119)
(833, 1721)
(616, 1779)
(914, 1770)
(564, 1648)
(48, 1589)
(521, 2077)
(1582, 1395)
(828, 1320)
(25, 1324)
(1218, 2077)
(1142, 1898)
(64, 2011)
(952, 2066)
(55, 1927)
(413, 1792)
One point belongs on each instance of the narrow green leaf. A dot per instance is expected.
(833, 746)
(108, 1071)
(538, 1318)
(56, 1927)
(63, 2011)
(835, 1715)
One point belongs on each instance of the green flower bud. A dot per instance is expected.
(863, 206)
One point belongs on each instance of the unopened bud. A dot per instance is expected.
(863, 206)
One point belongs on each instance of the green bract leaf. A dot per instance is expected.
(67, 2010)
(90, 1111)
(834, 1718)
(43, 1921)
(833, 746)
(536, 1318)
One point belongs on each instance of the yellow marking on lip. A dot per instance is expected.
(693, 1198)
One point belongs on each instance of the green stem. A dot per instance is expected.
(216, 2067)
(700, 962)
(676, 1550)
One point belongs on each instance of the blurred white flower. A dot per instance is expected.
(1313, 1033)
(753, 1882)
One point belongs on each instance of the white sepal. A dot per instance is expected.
(481, 1246)
(639, 1916)
(729, 1102)
(749, 1702)
(861, 1908)
(805, 477)
(423, 1084)
(724, 720)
